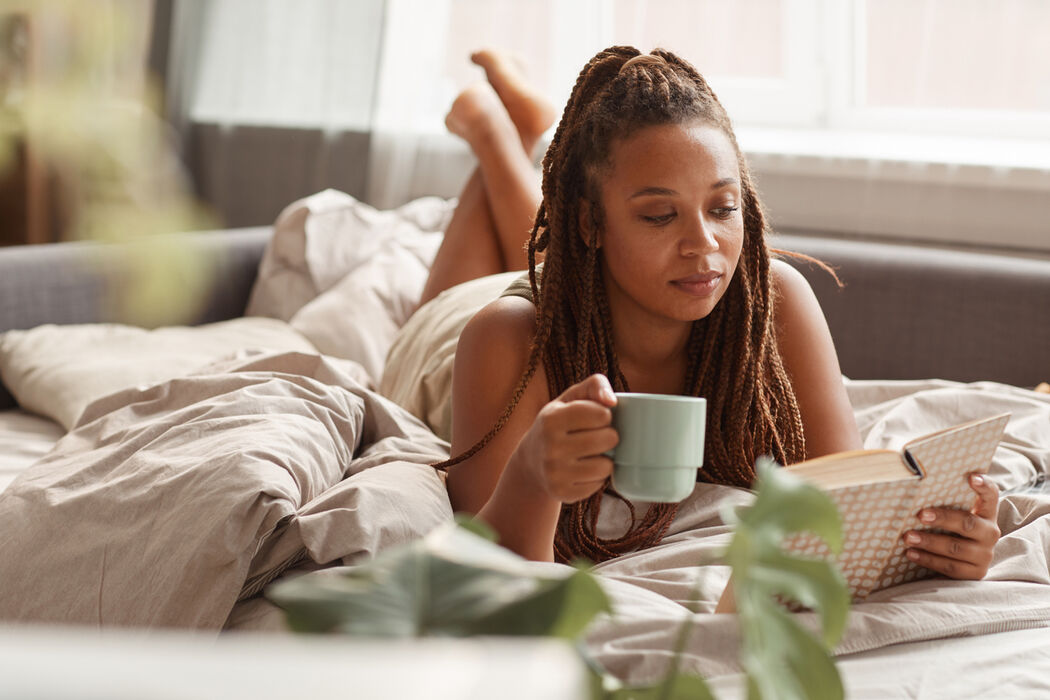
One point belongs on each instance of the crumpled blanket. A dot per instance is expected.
(167, 505)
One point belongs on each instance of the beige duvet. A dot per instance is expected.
(173, 506)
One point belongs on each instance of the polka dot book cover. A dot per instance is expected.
(879, 494)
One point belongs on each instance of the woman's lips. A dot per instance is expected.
(701, 284)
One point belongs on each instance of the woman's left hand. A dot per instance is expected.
(966, 553)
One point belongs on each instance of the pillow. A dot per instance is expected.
(418, 372)
(56, 371)
(346, 275)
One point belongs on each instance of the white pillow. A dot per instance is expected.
(56, 371)
(346, 275)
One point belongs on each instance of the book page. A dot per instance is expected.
(945, 459)
(853, 468)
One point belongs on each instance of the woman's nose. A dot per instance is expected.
(699, 237)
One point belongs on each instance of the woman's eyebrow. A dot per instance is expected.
(664, 191)
(652, 191)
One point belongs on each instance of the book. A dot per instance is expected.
(879, 494)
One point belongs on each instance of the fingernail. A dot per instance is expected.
(977, 480)
(928, 516)
(912, 538)
(912, 554)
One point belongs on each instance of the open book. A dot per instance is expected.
(879, 493)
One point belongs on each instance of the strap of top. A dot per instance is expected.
(521, 287)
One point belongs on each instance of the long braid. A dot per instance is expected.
(732, 355)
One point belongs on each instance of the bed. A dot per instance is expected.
(162, 479)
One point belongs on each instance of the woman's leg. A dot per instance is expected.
(515, 186)
(489, 229)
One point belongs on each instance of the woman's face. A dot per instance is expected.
(673, 221)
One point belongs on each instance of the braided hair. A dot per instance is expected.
(732, 355)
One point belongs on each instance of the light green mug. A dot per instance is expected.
(661, 445)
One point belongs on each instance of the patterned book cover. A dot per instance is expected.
(874, 516)
(945, 458)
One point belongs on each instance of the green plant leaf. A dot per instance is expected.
(813, 583)
(451, 583)
(785, 504)
(475, 525)
(681, 686)
(781, 658)
(559, 608)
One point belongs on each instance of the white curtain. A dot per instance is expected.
(426, 62)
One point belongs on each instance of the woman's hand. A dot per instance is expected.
(562, 453)
(967, 552)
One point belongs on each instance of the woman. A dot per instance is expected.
(656, 278)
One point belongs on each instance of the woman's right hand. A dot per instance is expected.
(562, 452)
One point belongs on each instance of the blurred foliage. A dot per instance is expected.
(780, 657)
(76, 96)
(452, 583)
(458, 582)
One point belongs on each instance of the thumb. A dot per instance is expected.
(594, 388)
(987, 503)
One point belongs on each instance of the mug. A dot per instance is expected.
(661, 445)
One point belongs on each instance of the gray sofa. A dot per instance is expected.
(904, 313)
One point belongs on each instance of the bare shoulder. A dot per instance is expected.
(808, 353)
(792, 293)
(499, 333)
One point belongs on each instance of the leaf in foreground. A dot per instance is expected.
(451, 583)
(782, 659)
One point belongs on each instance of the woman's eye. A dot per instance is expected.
(657, 219)
(725, 212)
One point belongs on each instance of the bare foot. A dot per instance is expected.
(477, 113)
(531, 112)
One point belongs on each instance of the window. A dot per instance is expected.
(927, 119)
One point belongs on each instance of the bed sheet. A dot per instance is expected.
(174, 505)
(1005, 665)
(24, 438)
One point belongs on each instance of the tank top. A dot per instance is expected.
(521, 287)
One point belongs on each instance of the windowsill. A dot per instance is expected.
(942, 191)
(1008, 163)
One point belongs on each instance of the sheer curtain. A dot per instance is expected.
(427, 43)
(426, 62)
(273, 100)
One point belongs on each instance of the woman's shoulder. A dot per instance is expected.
(502, 331)
(787, 279)
(793, 297)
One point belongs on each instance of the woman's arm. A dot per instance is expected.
(548, 452)
(812, 365)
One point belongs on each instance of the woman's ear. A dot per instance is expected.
(585, 220)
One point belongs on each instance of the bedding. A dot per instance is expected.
(174, 506)
(347, 276)
(56, 371)
(168, 504)
(24, 438)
